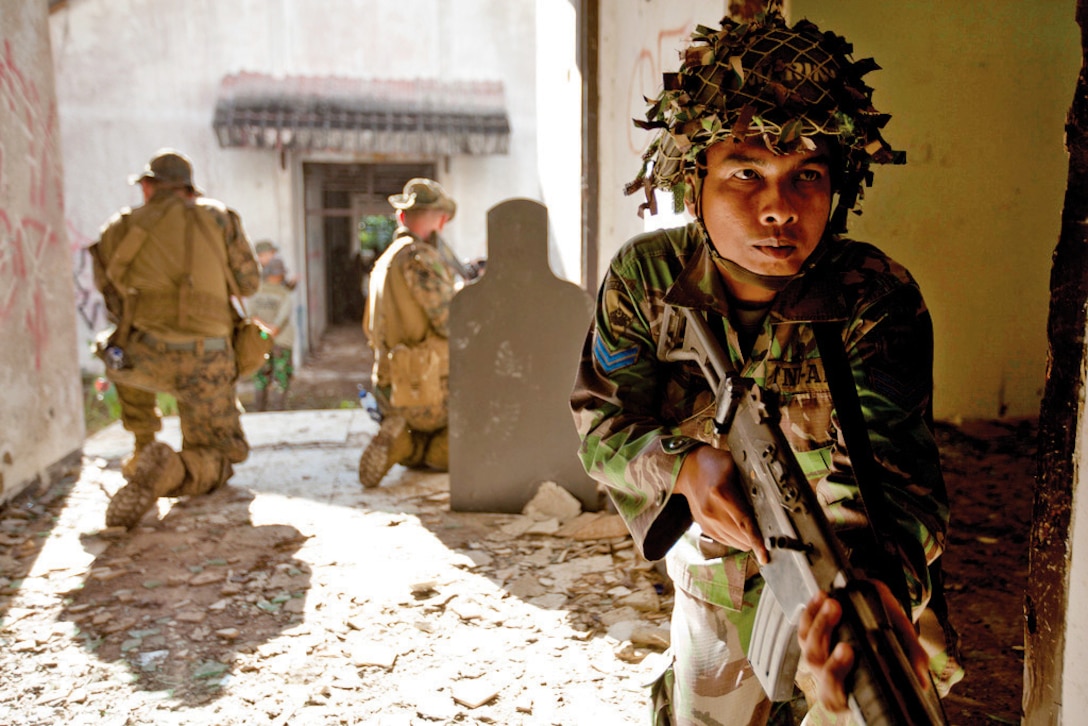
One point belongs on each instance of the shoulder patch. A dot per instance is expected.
(609, 361)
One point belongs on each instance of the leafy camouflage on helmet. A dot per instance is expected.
(764, 79)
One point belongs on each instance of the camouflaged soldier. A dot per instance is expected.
(163, 270)
(757, 134)
(273, 306)
(407, 327)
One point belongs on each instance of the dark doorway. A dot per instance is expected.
(343, 291)
(348, 193)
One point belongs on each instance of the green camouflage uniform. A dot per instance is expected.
(273, 305)
(638, 416)
(166, 348)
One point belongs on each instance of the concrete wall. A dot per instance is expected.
(135, 75)
(559, 133)
(41, 413)
(639, 41)
(978, 93)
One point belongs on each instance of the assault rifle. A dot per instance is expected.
(804, 557)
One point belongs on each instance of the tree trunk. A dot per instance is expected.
(1045, 606)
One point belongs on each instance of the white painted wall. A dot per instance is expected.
(639, 41)
(559, 133)
(974, 214)
(41, 409)
(135, 75)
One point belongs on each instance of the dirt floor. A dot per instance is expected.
(332, 374)
(990, 472)
(247, 606)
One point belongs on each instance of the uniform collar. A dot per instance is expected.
(166, 195)
(812, 296)
(816, 295)
(699, 285)
(432, 240)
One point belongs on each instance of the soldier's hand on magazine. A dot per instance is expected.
(830, 666)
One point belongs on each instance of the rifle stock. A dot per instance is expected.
(804, 556)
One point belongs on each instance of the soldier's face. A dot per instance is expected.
(765, 212)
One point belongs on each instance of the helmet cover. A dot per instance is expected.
(764, 79)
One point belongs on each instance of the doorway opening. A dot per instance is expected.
(338, 198)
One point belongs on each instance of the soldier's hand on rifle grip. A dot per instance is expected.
(708, 480)
(830, 667)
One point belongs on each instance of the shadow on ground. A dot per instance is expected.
(177, 599)
(26, 522)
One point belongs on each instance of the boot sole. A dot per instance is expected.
(374, 464)
(129, 505)
(131, 502)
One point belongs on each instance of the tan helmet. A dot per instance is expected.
(170, 168)
(767, 80)
(424, 194)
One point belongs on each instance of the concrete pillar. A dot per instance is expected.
(41, 414)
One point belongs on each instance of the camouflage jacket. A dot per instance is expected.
(273, 304)
(638, 416)
(411, 286)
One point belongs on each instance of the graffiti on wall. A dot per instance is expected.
(27, 237)
(90, 306)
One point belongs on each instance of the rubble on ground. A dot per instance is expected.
(257, 604)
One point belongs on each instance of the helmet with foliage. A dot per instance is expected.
(764, 79)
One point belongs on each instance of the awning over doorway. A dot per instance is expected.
(329, 113)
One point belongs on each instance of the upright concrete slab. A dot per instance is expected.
(41, 412)
(515, 339)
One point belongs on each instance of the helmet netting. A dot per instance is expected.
(763, 79)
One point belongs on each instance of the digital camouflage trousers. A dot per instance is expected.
(707, 680)
(203, 383)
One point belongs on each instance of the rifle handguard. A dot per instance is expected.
(804, 556)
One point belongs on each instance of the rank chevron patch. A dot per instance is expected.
(611, 362)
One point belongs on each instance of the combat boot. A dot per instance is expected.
(391, 445)
(157, 470)
(128, 466)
